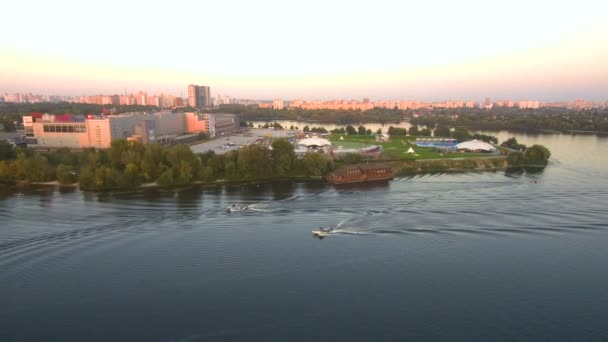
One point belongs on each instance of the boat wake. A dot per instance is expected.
(262, 207)
(351, 227)
(256, 207)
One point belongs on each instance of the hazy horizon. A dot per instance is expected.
(429, 51)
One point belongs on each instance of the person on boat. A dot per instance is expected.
(235, 207)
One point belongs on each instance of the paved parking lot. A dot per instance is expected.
(232, 142)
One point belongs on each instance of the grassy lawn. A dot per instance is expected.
(397, 147)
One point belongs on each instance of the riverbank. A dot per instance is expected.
(402, 167)
(155, 185)
(420, 166)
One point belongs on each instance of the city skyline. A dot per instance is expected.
(430, 51)
(200, 94)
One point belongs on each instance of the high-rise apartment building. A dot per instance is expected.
(199, 96)
(278, 104)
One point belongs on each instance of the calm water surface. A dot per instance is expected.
(448, 257)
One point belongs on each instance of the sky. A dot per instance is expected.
(265, 49)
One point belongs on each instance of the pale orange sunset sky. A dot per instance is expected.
(428, 50)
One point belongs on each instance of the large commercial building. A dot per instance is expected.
(44, 131)
(199, 96)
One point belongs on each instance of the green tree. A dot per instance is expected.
(536, 155)
(461, 134)
(153, 162)
(350, 130)
(87, 178)
(283, 157)
(397, 131)
(65, 174)
(31, 168)
(7, 172)
(107, 178)
(442, 131)
(425, 132)
(123, 152)
(317, 164)
(515, 159)
(133, 176)
(487, 138)
(414, 131)
(230, 161)
(185, 165)
(117, 148)
(513, 144)
(254, 162)
(352, 158)
(6, 150)
(100, 178)
(207, 174)
(212, 166)
(361, 130)
(167, 178)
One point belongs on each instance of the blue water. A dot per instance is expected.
(443, 257)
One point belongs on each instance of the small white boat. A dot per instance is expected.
(321, 232)
(235, 208)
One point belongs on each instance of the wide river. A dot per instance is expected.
(443, 257)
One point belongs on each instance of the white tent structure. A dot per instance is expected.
(411, 151)
(476, 145)
(314, 142)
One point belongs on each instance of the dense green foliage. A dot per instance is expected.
(442, 131)
(127, 165)
(254, 113)
(498, 118)
(398, 131)
(317, 164)
(284, 157)
(519, 120)
(512, 143)
(351, 158)
(515, 158)
(536, 155)
(312, 129)
(6, 150)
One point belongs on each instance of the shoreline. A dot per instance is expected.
(400, 168)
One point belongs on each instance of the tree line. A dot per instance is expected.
(497, 118)
(517, 120)
(337, 116)
(127, 165)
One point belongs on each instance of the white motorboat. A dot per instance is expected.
(321, 232)
(235, 208)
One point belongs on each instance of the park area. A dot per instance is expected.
(397, 147)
